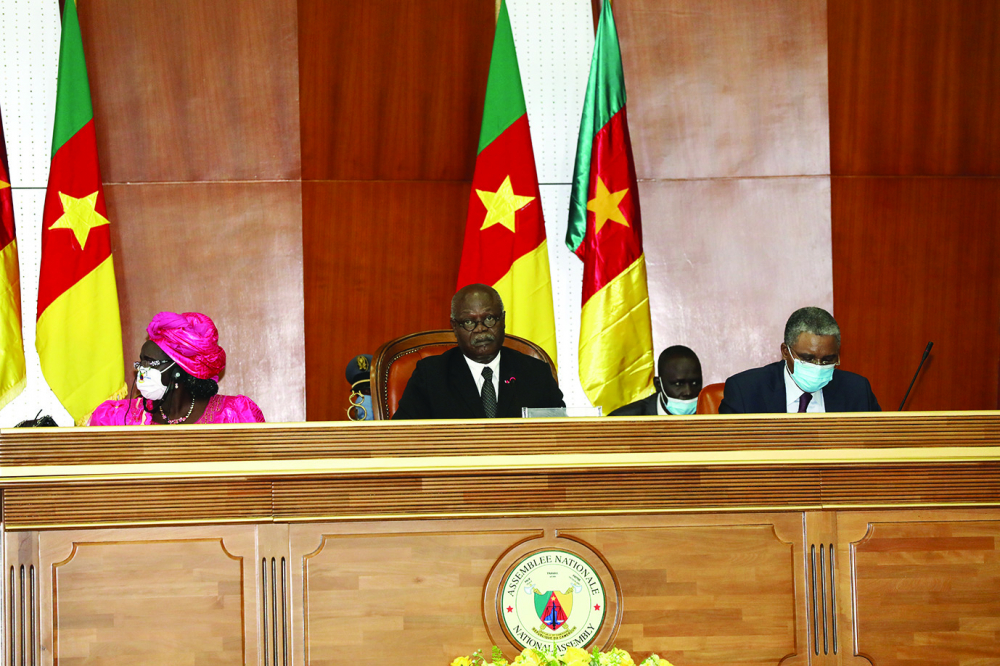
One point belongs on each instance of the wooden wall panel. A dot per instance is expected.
(232, 251)
(926, 588)
(396, 98)
(692, 587)
(729, 124)
(198, 92)
(915, 87)
(730, 259)
(393, 90)
(158, 597)
(194, 90)
(719, 88)
(695, 589)
(918, 260)
(381, 260)
(375, 599)
(915, 93)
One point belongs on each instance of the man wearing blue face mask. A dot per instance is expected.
(806, 379)
(678, 384)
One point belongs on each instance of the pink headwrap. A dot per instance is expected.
(192, 340)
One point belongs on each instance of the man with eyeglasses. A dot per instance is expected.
(479, 378)
(806, 379)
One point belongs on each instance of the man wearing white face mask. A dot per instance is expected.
(678, 384)
(806, 379)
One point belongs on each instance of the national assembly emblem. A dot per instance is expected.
(552, 596)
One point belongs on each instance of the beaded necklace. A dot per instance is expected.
(181, 419)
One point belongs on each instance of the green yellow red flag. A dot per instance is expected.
(505, 244)
(78, 336)
(616, 338)
(12, 372)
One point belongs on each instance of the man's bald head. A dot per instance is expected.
(680, 373)
(482, 290)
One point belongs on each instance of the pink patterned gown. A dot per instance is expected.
(220, 409)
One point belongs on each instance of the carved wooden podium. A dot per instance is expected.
(805, 539)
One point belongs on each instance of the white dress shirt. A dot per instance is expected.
(477, 373)
(793, 393)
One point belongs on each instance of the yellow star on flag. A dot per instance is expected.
(502, 205)
(605, 206)
(80, 216)
(4, 185)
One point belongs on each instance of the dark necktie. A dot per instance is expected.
(804, 401)
(489, 394)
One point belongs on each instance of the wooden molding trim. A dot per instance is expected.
(500, 437)
(775, 464)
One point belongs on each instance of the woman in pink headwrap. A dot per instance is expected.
(177, 375)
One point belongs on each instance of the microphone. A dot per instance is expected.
(926, 352)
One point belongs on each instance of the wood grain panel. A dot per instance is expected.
(194, 90)
(636, 490)
(915, 87)
(232, 251)
(397, 94)
(137, 503)
(954, 484)
(566, 492)
(927, 588)
(371, 600)
(810, 434)
(380, 261)
(696, 589)
(729, 259)
(918, 260)
(720, 88)
(726, 593)
(150, 597)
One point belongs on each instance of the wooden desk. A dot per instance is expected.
(818, 539)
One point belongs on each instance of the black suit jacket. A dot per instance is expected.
(644, 407)
(441, 387)
(762, 391)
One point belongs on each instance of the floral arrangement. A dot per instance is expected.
(572, 657)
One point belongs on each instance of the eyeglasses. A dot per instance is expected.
(149, 364)
(489, 321)
(822, 361)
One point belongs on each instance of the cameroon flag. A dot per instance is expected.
(616, 339)
(12, 375)
(505, 234)
(79, 336)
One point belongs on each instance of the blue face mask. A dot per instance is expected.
(681, 407)
(811, 377)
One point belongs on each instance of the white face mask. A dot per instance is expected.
(680, 407)
(150, 384)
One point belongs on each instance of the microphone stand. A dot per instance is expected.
(926, 352)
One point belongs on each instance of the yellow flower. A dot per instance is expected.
(461, 661)
(528, 657)
(576, 657)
